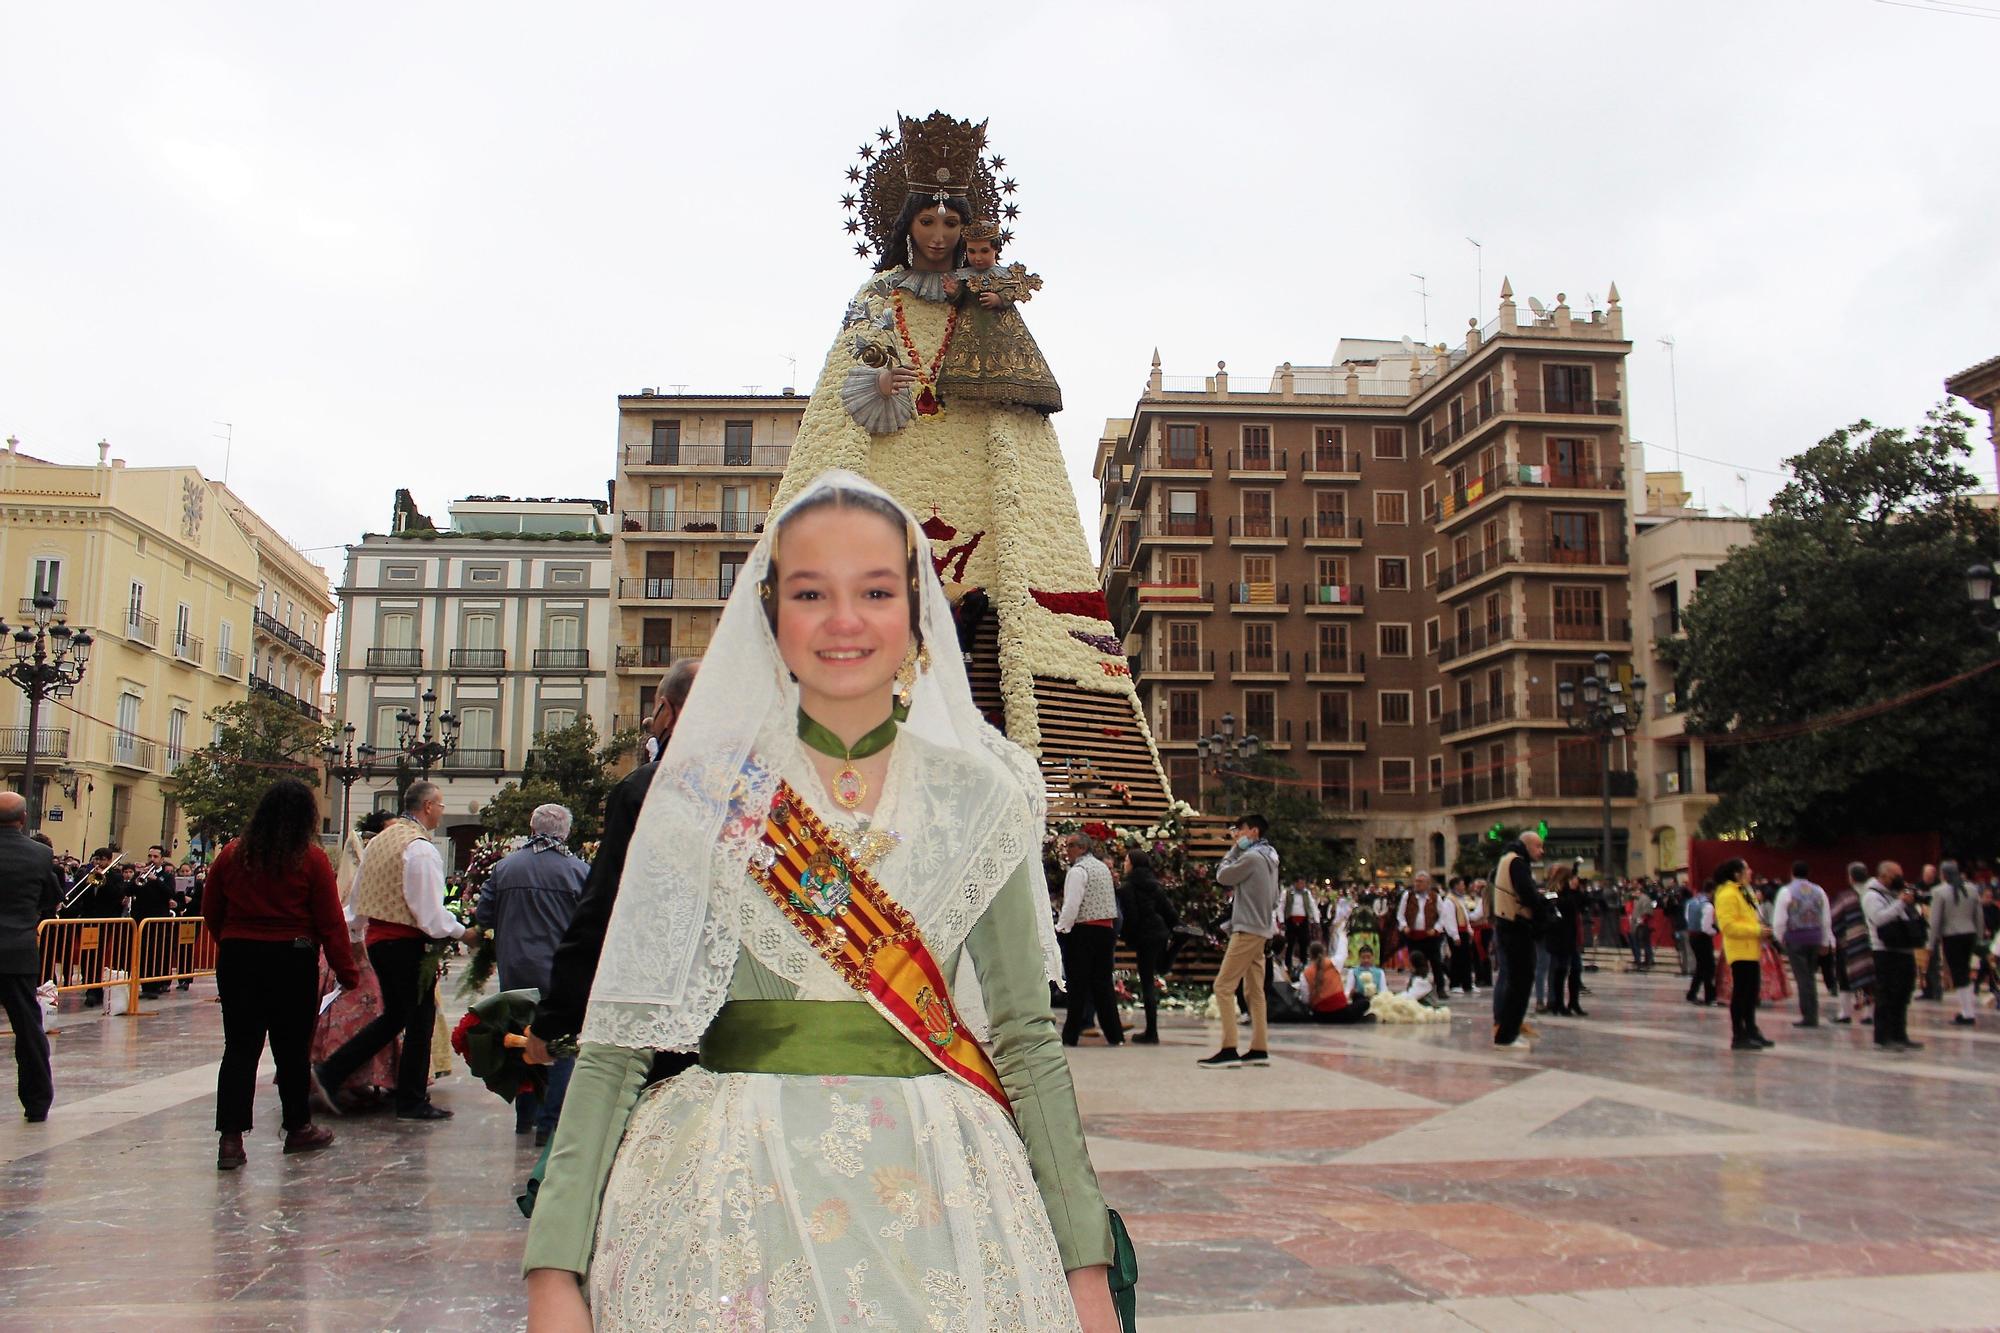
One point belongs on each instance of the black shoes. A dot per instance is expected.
(1961, 1021)
(1257, 1058)
(424, 1111)
(1226, 1058)
(1575, 1012)
(229, 1153)
(1746, 1044)
(1146, 1039)
(35, 1117)
(1803, 1024)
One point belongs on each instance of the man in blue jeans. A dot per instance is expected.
(527, 903)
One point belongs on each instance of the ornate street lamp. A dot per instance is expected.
(1603, 706)
(48, 662)
(1222, 747)
(427, 738)
(1979, 589)
(347, 763)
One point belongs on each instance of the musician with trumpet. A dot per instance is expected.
(95, 892)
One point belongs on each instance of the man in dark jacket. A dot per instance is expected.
(152, 898)
(30, 893)
(1514, 905)
(559, 1016)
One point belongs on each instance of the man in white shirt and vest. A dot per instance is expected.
(1301, 913)
(400, 891)
(1427, 920)
(1088, 925)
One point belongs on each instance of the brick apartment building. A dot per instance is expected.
(1382, 568)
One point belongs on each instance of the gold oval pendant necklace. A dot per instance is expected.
(848, 786)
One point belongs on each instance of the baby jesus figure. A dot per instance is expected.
(993, 358)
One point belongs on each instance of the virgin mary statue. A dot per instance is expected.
(935, 391)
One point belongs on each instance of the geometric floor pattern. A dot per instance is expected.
(1630, 1172)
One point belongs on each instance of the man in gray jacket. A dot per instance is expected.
(30, 892)
(1957, 923)
(1251, 869)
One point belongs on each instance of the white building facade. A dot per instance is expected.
(504, 615)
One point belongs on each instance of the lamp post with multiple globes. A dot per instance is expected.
(1604, 706)
(49, 660)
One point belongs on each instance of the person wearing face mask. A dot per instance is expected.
(1251, 869)
(1894, 929)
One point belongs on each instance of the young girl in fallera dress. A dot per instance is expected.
(845, 1155)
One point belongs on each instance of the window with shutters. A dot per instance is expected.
(1392, 572)
(1183, 715)
(1335, 711)
(1183, 446)
(1329, 450)
(1392, 640)
(1567, 388)
(1183, 645)
(1398, 777)
(1389, 442)
(1393, 708)
(1579, 612)
(1260, 646)
(1332, 645)
(1257, 448)
(1260, 714)
(1336, 783)
(1392, 506)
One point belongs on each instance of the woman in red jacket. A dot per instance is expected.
(272, 905)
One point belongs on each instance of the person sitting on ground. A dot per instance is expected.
(1365, 980)
(1326, 990)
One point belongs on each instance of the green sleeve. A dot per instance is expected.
(1006, 949)
(603, 1089)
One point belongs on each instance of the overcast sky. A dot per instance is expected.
(428, 245)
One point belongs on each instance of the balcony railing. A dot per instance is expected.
(1559, 553)
(1531, 476)
(278, 630)
(1178, 525)
(395, 659)
(29, 610)
(478, 659)
(258, 685)
(1576, 629)
(481, 759)
(188, 650)
(129, 751)
(727, 522)
(1272, 596)
(1474, 564)
(1483, 713)
(1331, 594)
(1184, 729)
(1452, 432)
(1537, 402)
(1197, 662)
(142, 629)
(50, 742)
(1183, 460)
(774, 456)
(1259, 526)
(1330, 528)
(562, 659)
(1259, 460)
(1590, 782)
(1330, 463)
(1267, 664)
(670, 589)
(228, 663)
(1337, 731)
(1331, 664)
(659, 654)
(1482, 789)
(1477, 638)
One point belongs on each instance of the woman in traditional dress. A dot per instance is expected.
(1853, 964)
(831, 831)
(356, 1006)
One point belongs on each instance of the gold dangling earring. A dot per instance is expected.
(906, 679)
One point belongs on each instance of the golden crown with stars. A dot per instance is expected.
(938, 156)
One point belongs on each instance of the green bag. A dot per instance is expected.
(1124, 1274)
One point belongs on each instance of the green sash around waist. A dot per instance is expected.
(809, 1037)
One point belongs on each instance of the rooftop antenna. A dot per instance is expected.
(1744, 482)
(1674, 394)
(793, 362)
(228, 439)
(1424, 292)
(1479, 259)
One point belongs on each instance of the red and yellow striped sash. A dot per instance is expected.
(869, 938)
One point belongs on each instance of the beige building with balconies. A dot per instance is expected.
(157, 564)
(288, 627)
(696, 475)
(1383, 567)
(1673, 550)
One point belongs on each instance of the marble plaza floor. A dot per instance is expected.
(1629, 1172)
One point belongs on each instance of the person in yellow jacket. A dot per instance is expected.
(1743, 934)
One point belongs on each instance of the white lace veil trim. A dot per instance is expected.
(971, 811)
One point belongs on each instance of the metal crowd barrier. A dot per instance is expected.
(100, 953)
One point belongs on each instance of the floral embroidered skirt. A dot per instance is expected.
(764, 1202)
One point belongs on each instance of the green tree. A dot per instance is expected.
(260, 739)
(1308, 837)
(1851, 593)
(568, 767)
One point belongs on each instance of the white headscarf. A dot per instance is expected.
(971, 814)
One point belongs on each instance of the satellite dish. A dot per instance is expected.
(1536, 306)
(1408, 345)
